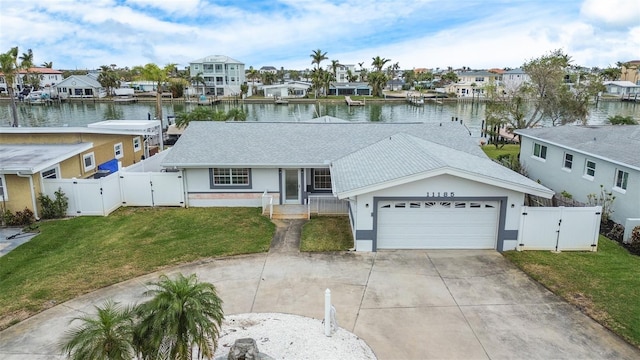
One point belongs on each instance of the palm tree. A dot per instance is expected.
(334, 67)
(184, 314)
(108, 78)
(47, 64)
(318, 56)
(377, 80)
(26, 60)
(198, 79)
(378, 62)
(9, 67)
(107, 336)
(153, 72)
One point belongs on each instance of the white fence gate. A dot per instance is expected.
(559, 228)
(152, 189)
(104, 195)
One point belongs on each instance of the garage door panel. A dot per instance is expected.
(437, 225)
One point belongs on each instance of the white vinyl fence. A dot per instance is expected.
(91, 197)
(559, 228)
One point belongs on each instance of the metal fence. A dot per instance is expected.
(327, 205)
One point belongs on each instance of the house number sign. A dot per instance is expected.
(440, 194)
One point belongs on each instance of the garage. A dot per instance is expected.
(442, 224)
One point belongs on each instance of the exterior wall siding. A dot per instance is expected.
(551, 174)
(18, 193)
(200, 193)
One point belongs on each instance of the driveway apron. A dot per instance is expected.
(404, 304)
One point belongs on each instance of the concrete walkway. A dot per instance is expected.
(404, 304)
(12, 237)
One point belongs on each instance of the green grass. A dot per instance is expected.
(73, 257)
(604, 284)
(326, 233)
(492, 152)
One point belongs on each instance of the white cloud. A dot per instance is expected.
(615, 13)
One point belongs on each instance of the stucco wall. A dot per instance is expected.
(198, 185)
(550, 173)
(18, 193)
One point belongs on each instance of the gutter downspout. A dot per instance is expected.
(33, 195)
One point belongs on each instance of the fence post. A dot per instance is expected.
(327, 312)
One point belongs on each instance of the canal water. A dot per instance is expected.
(472, 115)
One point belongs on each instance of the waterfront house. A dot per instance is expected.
(222, 74)
(81, 86)
(580, 159)
(403, 185)
(622, 89)
(473, 83)
(29, 155)
(512, 80)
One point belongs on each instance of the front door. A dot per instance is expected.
(292, 186)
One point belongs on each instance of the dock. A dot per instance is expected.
(415, 100)
(353, 102)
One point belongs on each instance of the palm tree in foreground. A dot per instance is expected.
(183, 315)
(107, 336)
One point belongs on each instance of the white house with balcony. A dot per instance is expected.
(222, 74)
(473, 83)
(48, 78)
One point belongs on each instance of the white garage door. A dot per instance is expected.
(437, 224)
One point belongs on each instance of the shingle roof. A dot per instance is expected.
(615, 143)
(401, 155)
(266, 144)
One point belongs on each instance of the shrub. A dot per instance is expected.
(20, 218)
(566, 194)
(604, 199)
(634, 244)
(621, 120)
(54, 209)
(616, 233)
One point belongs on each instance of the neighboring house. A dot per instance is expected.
(28, 155)
(268, 69)
(631, 72)
(473, 83)
(407, 185)
(48, 78)
(622, 88)
(353, 88)
(290, 89)
(222, 74)
(81, 86)
(342, 72)
(512, 80)
(579, 159)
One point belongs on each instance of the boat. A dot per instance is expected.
(353, 102)
(415, 100)
(124, 95)
(280, 101)
(38, 98)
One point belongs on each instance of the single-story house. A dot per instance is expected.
(81, 86)
(350, 88)
(622, 88)
(581, 159)
(407, 185)
(290, 89)
(30, 155)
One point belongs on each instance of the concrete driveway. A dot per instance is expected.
(404, 304)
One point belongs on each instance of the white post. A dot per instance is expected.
(327, 312)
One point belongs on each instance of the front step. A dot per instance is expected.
(290, 212)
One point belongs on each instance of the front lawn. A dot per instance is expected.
(507, 149)
(326, 233)
(75, 256)
(605, 284)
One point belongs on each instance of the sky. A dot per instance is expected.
(479, 34)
